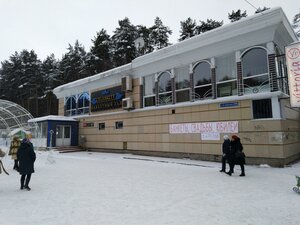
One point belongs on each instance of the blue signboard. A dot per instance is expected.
(107, 99)
(229, 104)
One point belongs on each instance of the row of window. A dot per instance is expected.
(261, 109)
(197, 83)
(199, 86)
(118, 125)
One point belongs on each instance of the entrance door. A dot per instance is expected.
(63, 135)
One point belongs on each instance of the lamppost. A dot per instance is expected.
(51, 138)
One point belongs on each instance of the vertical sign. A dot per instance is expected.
(292, 54)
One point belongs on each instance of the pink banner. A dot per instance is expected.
(207, 127)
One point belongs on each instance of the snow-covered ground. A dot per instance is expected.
(114, 189)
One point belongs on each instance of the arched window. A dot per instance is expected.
(255, 71)
(71, 106)
(165, 88)
(83, 103)
(202, 81)
(77, 104)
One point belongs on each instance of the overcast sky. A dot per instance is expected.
(48, 26)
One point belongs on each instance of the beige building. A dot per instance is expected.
(181, 100)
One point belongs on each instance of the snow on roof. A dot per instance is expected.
(245, 25)
(13, 132)
(51, 117)
(79, 84)
(258, 22)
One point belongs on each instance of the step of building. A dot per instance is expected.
(68, 149)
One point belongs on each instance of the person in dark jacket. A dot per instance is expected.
(236, 155)
(225, 151)
(26, 157)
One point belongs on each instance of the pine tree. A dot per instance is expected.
(50, 73)
(123, 49)
(144, 33)
(11, 73)
(72, 66)
(187, 29)
(99, 59)
(27, 81)
(21, 79)
(32, 80)
(235, 16)
(296, 24)
(259, 10)
(159, 35)
(208, 25)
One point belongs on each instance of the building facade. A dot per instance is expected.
(181, 100)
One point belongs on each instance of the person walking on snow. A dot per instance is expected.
(236, 155)
(26, 157)
(225, 151)
(14, 146)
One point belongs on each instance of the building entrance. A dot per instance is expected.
(63, 135)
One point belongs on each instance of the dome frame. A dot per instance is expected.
(14, 116)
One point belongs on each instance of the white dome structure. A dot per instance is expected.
(14, 116)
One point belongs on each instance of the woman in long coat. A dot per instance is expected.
(26, 157)
(225, 151)
(236, 155)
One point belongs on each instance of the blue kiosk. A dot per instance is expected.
(56, 131)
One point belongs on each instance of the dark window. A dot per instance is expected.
(255, 71)
(83, 103)
(164, 82)
(71, 103)
(101, 126)
(255, 62)
(183, 96)
(202, 81)
(164, 89)
(149, 91)
(226, 89)
(119, 124)
(202, 74)
(262, 108)
(182, 78)
(149, 101)
(70, 106)
(84, 100)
